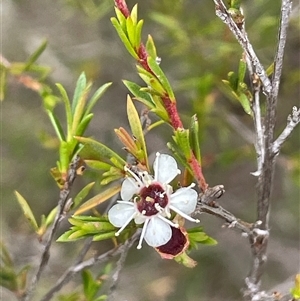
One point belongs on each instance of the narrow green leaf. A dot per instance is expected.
(209, 241)
(27, 211)
(181, 137)
(124, 38)
(79, 109)
(150, 47)
(80, 87)
(83, 124)
(57, 126)
(97, 164)
(97, 95)
(136, 129)
(97, 151)
(65, 236)
(50, 217)
(245, 103)
(233, 80)
(103, 236)
(138, 33)
(35, 55)
(194, 138)
(161, 77)
(82, 194)
(242, 71)
(64, 156)
(142, 96)
(134, 14)
(131, 31)
(121, 18)
(98, 199)
(68, 110)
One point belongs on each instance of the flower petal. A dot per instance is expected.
(165, 168)
(184, 199)
(158, 232)
(129, 188)
(119, 214)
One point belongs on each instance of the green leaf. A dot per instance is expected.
(295, 291)
(64, 156)
(97, 151)
(194, 138)
(121, 18)
(134, 14)
(138, 33)
(79, 109)
(35, 55)
(143, 97)
(27, 211)
(68, 110)
(97, 164)
(82, 194)
(181, 137)
(150, 47)
(99, 198)
(97, 95)
(131, 31)
(233, 80)
(124, 38)
(137, 131)
(90, 286)
(242, 71)
(245, 103)
(57, 126)
(161, 77)
(104, 236)
(209, 241)
(83, 124)
(79, 90)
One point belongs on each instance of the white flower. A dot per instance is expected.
(148, 200)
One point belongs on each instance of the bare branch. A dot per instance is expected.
(207, 203)
(286, 9)
(259, 141)
(293, 120)
(259, 239)
(241, 36)
(78, 267)
(63, 198)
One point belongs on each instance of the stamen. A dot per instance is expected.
(138, 180)
(144, 212)
(125, 224)
(184, 215)
(147, 179)
(158, 207)
(139, 246)
(168, 221)
(126, 202)
(156, 167)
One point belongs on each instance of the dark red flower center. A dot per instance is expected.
(151, 199)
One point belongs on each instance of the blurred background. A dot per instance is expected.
(197, 52)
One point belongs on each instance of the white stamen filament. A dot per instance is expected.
(134, 176)
(184, 215)
(125, 224)
(139, 246)
(168, 221)
(144, 212)
(158, 207)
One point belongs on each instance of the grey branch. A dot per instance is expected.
(207, 203)
(293, 120)
(63, 198)
(224, 15)
(78, 267)
(259, 242)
